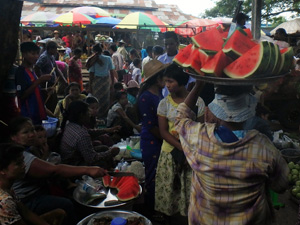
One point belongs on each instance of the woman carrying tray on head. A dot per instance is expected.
(232, 168)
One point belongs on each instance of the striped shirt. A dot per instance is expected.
(229, 184)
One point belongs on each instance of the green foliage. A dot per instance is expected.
(270, 8)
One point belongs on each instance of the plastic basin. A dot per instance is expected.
(136, 153)
(50, 126)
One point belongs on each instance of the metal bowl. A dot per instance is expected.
(110, 201)
(113, 213)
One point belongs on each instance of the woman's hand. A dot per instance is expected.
(114, 129)
(114, 151)
(95, 171)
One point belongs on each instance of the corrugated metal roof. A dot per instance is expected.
(167, 13)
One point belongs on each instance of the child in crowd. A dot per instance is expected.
(72, 94)
(136, 73)
(132, 90)
(40, 148)
(86, 89)
(12, 211)
(28, 84)
(117, 116)
(75, 67)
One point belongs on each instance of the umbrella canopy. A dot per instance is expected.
(94, 12)
(290, 27)
(143, 21)
(107, 21)
(192, 27)
(74, 19)
(37, 19)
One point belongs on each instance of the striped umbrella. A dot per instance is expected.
(37, 19)
(139, 20)
(74, 19)
(192, 27)
(94, 12)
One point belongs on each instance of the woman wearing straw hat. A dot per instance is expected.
(232, 167)
(148, 100)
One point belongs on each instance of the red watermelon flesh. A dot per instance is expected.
(106, 180)
(209, 40)
(129, 189)
(249, 33)
(246, 65)
(183, 55)
(237, 44)
(114, 182)
(197, 59)
(215, 65)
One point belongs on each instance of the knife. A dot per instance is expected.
(120, 174)
(233, 23)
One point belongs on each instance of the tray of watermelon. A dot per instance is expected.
(115, 192)
(237, 60)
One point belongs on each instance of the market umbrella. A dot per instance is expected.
(192, 27)
(107, 21)
(290, 27)
(94, 12)
(143, 21)
(38, 19)
(74, 19)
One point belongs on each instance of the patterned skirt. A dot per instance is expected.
(172, 187)
(101, 90)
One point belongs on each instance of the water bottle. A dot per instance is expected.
(90, 183)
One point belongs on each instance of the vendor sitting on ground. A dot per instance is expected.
(117, 116)
(76, 147)
(98, 135)
(232, 168)
(32, 189)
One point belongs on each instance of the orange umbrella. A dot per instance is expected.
(195, 26)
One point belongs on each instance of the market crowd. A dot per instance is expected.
(202, 149)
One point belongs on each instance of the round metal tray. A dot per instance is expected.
(236, 82)
(83, 198)
(113, 213)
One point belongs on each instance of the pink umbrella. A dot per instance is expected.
(195, 26)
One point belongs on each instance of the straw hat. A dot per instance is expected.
(56, 32)
(61, 48)
(153, 67)
(132, 84)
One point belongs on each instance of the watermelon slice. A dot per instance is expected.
(247, 32)
(286, 60)
(215, 65)
(273, 58)
(197, 59)
(183, 54)
(249, 64)
(106, 180)
(209, 40)
(276, 69)
(237, 44)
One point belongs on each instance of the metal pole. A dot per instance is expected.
(256, 18)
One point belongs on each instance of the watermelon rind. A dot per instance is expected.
(242, 67)
(261, 70)
(286, 60)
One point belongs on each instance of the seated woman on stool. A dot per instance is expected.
(76, 145)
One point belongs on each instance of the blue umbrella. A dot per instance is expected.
(107, 21)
